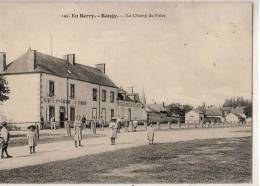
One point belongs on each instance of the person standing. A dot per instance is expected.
(67, 126)
(32, 138)
(5, 137)
(119, 122)
(126, 125)
(150, 133)
(101, 123)
(37, 131)
(42, 123)
(84, 122)
(77, 132)
(53, 124)
(113, 125)
(135, 123)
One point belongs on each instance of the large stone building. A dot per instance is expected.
(43, 85)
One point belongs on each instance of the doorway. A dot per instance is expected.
(62, 116)
(51, 112)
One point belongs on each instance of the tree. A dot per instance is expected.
(248, 111)
(4, 90)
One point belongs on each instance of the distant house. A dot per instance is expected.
(156, 112)
(214, 115)
(238, 109)
(235, 117)
(194, 116)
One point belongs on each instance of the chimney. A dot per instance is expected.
(163, 104)
(2, 61)
(101, 67)
(70, 58)
(32, 60)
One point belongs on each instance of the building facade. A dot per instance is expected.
(194, 116)
(129, 106)
(44, 86)
(235, 118)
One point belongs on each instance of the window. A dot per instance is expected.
(72, 91)
(104, 95)
(112, 97)
(94, 94)
(51, 88)
(112, 113)
(72, 114)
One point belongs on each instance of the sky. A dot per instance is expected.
(197, 52)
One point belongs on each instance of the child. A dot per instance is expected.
(113, 125)
(77, 132)
(32, 137)
(150, 133)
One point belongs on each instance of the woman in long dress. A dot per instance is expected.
(67, 126)
(32, 138)
(77, 132)
(113, 125)
(150, 133)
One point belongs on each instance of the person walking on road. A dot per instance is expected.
(53, 124)
(150, 133)
(77, 132)
(32, 138)
(67, 126)
(5, 140)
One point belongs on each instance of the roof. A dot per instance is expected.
(243, 116)
(155, 108)
(197, 111)
(52, 65)
(238, 112)
(214, 112)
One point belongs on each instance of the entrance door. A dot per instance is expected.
(72, 114)
(62, 116)
(51, 112)
(112, 113)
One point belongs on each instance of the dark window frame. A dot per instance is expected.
(104, 95)
(94, 94)
(112, 96)
(51, 88)
(72, 91)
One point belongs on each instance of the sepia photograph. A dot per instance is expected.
(127, 92)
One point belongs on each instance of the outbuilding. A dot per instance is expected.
(194, 116)
(235, 118)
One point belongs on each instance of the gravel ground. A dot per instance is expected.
(225, 160)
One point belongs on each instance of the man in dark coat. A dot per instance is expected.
(5, 140)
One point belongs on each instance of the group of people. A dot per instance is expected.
(116, 125)
(79, 124)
